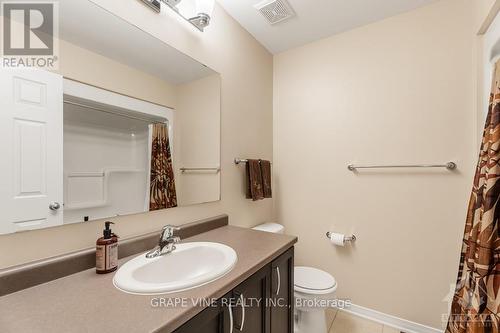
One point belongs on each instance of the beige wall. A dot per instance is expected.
(397, 91)
(197, 139)
(246, 71)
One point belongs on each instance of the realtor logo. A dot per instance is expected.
(29, 34)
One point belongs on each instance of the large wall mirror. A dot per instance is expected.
(77, 149)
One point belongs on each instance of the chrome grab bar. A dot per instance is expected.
(449, 166)
(217, 170)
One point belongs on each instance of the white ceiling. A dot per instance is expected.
(315, 19)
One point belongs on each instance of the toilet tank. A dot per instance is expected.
(270, 227)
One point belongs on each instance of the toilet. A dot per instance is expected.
(314, 291)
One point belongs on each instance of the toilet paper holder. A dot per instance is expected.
(346, 238)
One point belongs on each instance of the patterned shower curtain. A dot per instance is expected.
(476, 303)
(162, 185)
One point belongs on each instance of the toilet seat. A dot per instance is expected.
(311, 280)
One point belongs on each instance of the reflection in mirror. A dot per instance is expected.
(127, 124)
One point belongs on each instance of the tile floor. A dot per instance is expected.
(343, 322)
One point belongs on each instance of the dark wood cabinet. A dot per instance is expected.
(213, 319)
(251, 313)
(261, 304)
(282, 300)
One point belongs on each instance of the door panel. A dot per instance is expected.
(31, 123)
(207, 321)
(251, 313)
(29, 166)
(214, 319)
(282, 293)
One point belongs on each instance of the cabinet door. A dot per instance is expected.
(282, 300)
(207, 321)
(250, 311)
(215, 319)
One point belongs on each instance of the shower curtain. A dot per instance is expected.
(476, 303)
(161, 181)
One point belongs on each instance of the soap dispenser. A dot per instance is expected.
(106, 254)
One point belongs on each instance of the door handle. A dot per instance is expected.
(279, 280)
(242, 325)
(54, 205)
(231, 322)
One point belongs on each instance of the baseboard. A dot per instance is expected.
(401, 324)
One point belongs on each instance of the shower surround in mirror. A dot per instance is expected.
(105, 164)
(89, 156)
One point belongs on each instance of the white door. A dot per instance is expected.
(31, 150)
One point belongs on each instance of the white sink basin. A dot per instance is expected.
(189, 266)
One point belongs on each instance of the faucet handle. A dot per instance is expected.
(168, 231)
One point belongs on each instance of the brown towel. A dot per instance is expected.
(265, 168)
(247, 176)
(254, 180)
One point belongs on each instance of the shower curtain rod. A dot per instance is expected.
(149, 121)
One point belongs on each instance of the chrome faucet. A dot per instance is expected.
(167, 242)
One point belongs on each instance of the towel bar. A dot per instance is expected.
(241, 161)
(449, 166)
(200, 169)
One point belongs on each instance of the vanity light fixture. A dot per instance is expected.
(204, 9)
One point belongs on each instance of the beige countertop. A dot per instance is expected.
(88, 302)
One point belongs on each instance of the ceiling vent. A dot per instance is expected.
(275, 11)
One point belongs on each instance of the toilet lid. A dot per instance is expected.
(313, 280)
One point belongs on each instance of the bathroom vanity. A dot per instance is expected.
(244, 308)
(83, 301)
